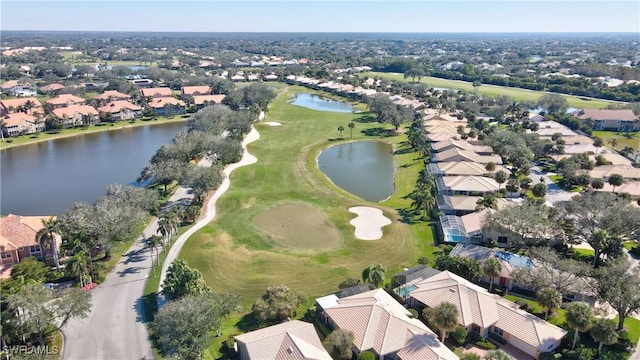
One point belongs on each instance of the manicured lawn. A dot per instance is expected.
(49, 135)
(633, 325)
(495, 91)
(631, 139)
(235, 256)
(558, 317)
(630, 245)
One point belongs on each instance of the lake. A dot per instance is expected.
(320, 103)
(46, 178)
(363, 168)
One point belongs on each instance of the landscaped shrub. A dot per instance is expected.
(484, 344)
(524, 305)
(497, 338)
(459, 335)
(414, 313)
(366, 355)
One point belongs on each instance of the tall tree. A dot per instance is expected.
(554, 103)
(597, 143)
(618, 285)
(579, 318)
(615, 180)
(500, 177)
(182, 280)
(491, 268)
(278, 303)
(603, 331)
(550, 299)
(340, 129)
(374, 274)
(351, 127)
(339, 343)
(47, 240)
(445, 317)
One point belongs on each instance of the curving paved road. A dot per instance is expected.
(115, 326)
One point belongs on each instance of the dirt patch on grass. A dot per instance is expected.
(298, 226)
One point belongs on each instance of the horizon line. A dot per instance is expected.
(327, 32)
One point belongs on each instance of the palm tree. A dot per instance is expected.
(2, 125)
(46, 238)
(488, 201)
(78, 266)
(603, 331)
(445, 317)
(597, 143)
(423, 201)
(374, 274)
(615, 180)
(579, 318)
(351, 126)
(165, 228)
(626, 151)
(550, 299)
(491, 268)
(613, 142)
(341, 129)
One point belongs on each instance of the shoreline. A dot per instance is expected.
(117, 126)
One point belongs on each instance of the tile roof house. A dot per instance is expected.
(20, 123)
(485, 313)
(291, 340)
(462, 145)
(112, 95)
(455, 154)
(65, 100)
(631, 187)
(466, 185)
(50, 88)
(196, 90)
(120, 110)
(18, 241)
(18, 105)
(77, 115)
(168, 106)
(382, 325)
(618, 120)
(462, 168)
(604, 171)
(156, 92)
(463, 229)
(201, 101)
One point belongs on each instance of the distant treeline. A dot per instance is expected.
(559, 84)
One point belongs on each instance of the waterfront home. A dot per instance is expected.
(120, 110)
(156, 92)
(77, 115)
(18, 241)
(112, 95)
(290, 340)
(20, 123)
(27, 105)
(466, 185)
(453, 168)
(65, 100)
(201, 101)
(617, 120)
(167, 106)
(462, 145)
(383, 326)
(463, 229)
(455, 154)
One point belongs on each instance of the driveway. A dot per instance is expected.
(554, 192)
(115, 326)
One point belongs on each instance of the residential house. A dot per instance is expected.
(631, 187)
(383, 326)
(466, 185)
(28, 105)
(77, 115)
(120, 110)
(435, 137)
(457, 205)
(168, 106)
(112, 95)
(143, 83)
(451, 168)
(196, 90)
(484, 313)
(18, 241)
(455, 154)
(7, 86)
(51, 88)
(270, 77)
(238, 77)
(618, 120)
(462, 145)
(290, 340)
(23, 90)
(65, 100)
(604, 171)
(201, 101)
(463, 229)
(572, 287)
(156, 92)
(20, 123)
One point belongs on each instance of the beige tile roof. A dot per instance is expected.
(19, 231)
(604, 171)
(113, 94)
(156, 92)
(201, 99)
(199, 90)
(379, 322)
(455, 154)
(117, 106)
(66, 99)
(71, 111)
(473, 222)
(466, 168)
(52, 87)
(477, 305)
(631, 187)
(163, 101)
(463, 203)
(7, 85)
(12, 105)
(442, 128)
(292, 340)
(625, 115)
(435, 137)
(470, 183)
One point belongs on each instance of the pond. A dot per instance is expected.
(46, 178)
(363, 168)
(315, 102)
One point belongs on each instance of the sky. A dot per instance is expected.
(426, 16)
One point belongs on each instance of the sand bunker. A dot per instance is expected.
(369, 222)
(273, 123)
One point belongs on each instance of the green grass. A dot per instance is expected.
(633, 326)
(558, 317)
(630, 245)
(234, 256)
(59, 134)
(631, 139)
(55, 341)
(495, 91)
